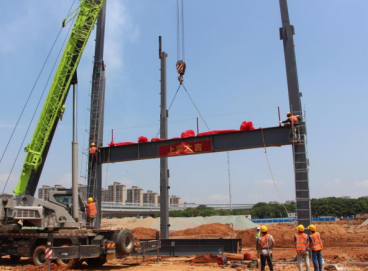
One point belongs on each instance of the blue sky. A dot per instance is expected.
(235, 72)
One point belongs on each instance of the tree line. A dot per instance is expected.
(320, 207)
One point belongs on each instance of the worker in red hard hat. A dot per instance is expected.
(91, 211)
(294, 122)
(93, 152)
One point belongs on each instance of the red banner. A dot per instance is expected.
(185, 148)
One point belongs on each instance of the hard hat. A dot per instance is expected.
(264, 228)
(258, 228)
(90, 200)
(301, 228)
(311, 227)
(93, 144)
(288, 114)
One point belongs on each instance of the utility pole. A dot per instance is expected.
(164, 171)
(97, 113)
(75, 197)
(228, 170)
(301, 162)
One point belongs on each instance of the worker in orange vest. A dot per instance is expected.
(316, 246)
(301, 241)
(293, 121)
(93, 151)
(91, 211)
(265, 245)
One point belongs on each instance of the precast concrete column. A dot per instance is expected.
(164, 171)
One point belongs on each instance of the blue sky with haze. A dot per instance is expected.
(235, 72)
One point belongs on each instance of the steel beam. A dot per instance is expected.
(273, 137)
(299, 150)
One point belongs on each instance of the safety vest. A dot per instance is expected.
(93, 151)
(265, 241)
(91, 209)
(293, 119)
(316, 242)
(301, 241)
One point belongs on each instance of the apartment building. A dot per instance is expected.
(150, 198)
(135, 195)
(43, 192)
(116, 193)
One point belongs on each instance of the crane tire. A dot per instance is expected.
(38, 256)
(125, 242)
(68, 264)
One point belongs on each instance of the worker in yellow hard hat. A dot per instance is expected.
(265, 245)
(301, 241)
(91, 211)
(316, 246)
(93, 151)
(293, 121)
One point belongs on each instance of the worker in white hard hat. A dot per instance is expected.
(257, 235)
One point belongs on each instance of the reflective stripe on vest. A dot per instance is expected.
(316, 242)
(265, 241)
(91, 209)
(301, 241)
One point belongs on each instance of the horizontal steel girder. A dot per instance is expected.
(273, 137)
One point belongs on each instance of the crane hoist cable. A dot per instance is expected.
(34, 86)
(38, 104)
(180, 64)
(273, 177)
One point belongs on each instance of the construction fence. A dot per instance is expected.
(289, 220)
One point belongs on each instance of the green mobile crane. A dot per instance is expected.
(29, 224)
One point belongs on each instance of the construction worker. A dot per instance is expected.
(293, 121)
(301, 241)
(265, 245)
(316, 246)
(258, 235)
(93, 151)
(91, 211)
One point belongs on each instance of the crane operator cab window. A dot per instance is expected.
(67, 201)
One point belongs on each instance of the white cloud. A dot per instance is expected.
(120, 27)
(362, 183)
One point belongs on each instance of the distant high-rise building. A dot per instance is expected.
(174, 200)
(82, 189)
(150, 198)
(116, 192)
(43, 192)
(135, 195)
(104, 195)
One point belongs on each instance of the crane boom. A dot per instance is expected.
(54, 107)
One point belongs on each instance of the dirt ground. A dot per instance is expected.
(345, 242)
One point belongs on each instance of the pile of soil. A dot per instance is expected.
(204, 258)
(215, 230)
(144, 233)
(53, 266)
(333, 234)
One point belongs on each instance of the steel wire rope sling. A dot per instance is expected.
(54, 105)
(273, 178)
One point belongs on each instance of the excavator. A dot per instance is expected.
(57, 228)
